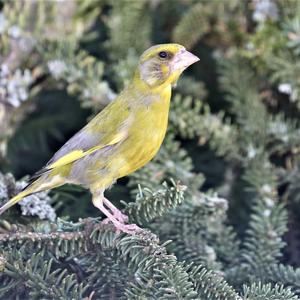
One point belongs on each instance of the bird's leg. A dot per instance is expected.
(120, 227)
(115, 211)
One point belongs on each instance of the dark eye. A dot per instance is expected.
(163, 54)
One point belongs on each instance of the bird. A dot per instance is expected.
(120, 139)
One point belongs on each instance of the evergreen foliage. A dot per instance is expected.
(218, 206)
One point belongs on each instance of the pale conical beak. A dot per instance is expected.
(184, 59)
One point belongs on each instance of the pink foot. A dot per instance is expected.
(115, 216)
(118, 216)
(105, 221)
(120, 227)
(116, 212)
(128, 228)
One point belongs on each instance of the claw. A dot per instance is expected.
(128, 228)
(121, 227)
(119, 217)
(105, 221)
(116, 212)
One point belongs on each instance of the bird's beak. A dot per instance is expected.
(184, 59)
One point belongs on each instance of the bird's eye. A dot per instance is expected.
(163, 54)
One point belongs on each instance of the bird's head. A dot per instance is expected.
(163, 64)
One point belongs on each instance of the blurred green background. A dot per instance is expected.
(234, 121)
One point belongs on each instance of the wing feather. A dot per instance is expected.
(77, 154)
(106, 129)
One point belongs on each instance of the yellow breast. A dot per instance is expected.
(145, 136)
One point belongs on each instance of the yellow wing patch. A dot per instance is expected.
(77, 154)
(66, 159)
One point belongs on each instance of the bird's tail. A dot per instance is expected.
(14, 200)
(34, 187)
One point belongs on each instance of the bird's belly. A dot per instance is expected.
(140, 155)
(119, 162)
(140, 147)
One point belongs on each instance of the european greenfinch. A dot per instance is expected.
(122, 138)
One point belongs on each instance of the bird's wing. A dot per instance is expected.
(108, 128)
(72, 152)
